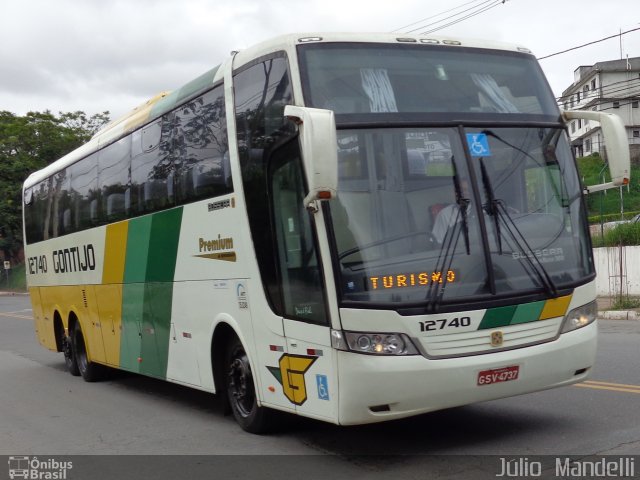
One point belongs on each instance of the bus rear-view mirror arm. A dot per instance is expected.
(615, 138)
(319, 148)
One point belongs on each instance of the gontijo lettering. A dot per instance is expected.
(74, 259)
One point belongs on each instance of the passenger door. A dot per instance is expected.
(308, 373)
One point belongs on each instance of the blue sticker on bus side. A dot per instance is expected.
(323, 387)
(478, 144)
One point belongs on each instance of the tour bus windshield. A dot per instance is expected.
(436, 215)
(390, 78)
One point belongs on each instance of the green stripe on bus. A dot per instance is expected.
(132, 311)
(529, 312)
(133, 292)
(158, 294)
(163, 245)
(514, 314)
(135, 269)
(152, 248)
(497, 317)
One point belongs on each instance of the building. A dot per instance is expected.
(612, 86)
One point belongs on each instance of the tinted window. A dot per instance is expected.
(300, 274)
(152, 169)
(365, 78)
(61, 209)
(261, 93)
(36, 212)
(179, 158)
(113, 175)
(85, 193)
(199, 148)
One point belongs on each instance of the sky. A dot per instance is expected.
(113, 55)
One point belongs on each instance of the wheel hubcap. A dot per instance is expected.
(66, 348)
(81, 354)
(241, 385)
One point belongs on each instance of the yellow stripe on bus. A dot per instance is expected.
(556, 307)
(115, 253)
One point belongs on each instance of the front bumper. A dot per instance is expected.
(398, 387)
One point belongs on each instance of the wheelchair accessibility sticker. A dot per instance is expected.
(478, 144)
(323, 387)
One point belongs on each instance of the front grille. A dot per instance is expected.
(479, 341)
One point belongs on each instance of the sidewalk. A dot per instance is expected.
(604, 310)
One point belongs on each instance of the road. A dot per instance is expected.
(46, 411)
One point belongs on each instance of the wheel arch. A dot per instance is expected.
(222, 335)
(72, 320)
(224, 329)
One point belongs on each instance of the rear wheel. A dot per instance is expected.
(69, 356)
(89, 370)
(241, 393)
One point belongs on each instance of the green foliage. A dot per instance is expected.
(611, 217)
(591, 170)
(17, 279)
(624, 234)
(625, 303)
(29, 143)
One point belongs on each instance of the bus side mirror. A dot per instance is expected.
(319, 148)
(615, 137)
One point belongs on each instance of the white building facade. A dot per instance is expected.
(612, 86)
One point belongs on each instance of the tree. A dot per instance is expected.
(29, 143)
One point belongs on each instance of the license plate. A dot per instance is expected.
(497, 375)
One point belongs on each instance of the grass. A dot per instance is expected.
(623, 234)
(17, 280)
(609, 201)
(625, 303)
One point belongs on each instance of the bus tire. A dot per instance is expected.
(69, 356)
(240, 390)
(90, 371)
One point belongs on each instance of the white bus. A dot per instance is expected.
(353, 228)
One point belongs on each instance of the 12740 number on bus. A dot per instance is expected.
(442, 323)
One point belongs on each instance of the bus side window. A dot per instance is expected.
(36, 212)
(85, 193)
(261, 92)
(113, 175)
(61, 211)
(299, 271)
(200, 148)
(151, 168)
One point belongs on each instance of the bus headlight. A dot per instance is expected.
(580, 317)
(373, 343)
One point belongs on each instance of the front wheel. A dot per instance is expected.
(90, 371)
(241, 392)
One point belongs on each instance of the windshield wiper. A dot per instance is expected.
(463, 204)
(449, 244)
(498, 210)
(443, 264)
(492, 205)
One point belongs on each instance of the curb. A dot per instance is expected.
(619, 315)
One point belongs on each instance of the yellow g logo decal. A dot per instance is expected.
(291, 376)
